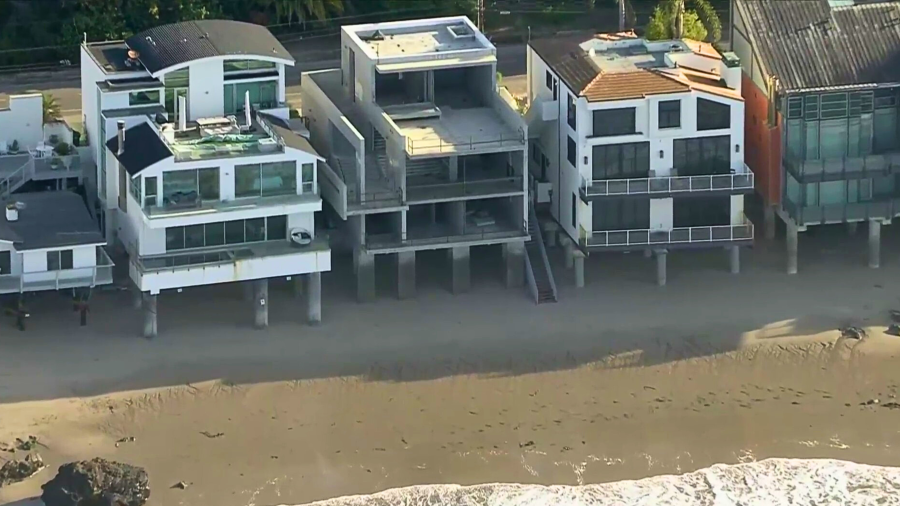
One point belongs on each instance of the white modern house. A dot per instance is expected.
(202, 175)
(48, 241)
(638, 145)
(424, 150)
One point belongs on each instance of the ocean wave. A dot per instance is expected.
(768, 482)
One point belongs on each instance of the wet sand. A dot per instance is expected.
(606, 385)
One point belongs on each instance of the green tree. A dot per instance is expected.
(286, 11)
(672, 19)
(51, 108)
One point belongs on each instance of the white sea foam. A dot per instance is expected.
(769, 482)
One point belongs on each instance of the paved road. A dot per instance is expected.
(65, 85)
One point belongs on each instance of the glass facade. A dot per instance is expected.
(189, 187)
(137, 98)
(176, 85)
(263, 95)
(266, 179)
(230, 66)
(702, 155)
(621, 161)
(271, 228)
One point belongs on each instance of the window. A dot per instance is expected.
(264, 180)
(308, 178)
(570, 111)
(833, 105)
(190, 187)
(263, 95)
(861, 102)
(137, 98)
(608, 122)
(669, 114)
(134, 186)
(150, 192)
(176, 84)
(5, 263)
(795, 107)
(247, 65)
(621, 214)
(621, 161)
(886, 98)
(271, 228)
(712, 115)
(59, 260)
(702, 155)
(811, 107)
(574, 211)
(571, 153)
(549, 80)
(701, 211)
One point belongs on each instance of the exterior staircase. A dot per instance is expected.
(12, 181)
(427, 167)
(538, 271)
(379, 151)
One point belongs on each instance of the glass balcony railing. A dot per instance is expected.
(675, 236)
(668, 185)
(837, 169)
(884, 209)
(82, 277)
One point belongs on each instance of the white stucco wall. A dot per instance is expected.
(23, 121)
(206, 93)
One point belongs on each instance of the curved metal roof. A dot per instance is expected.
(167, 46)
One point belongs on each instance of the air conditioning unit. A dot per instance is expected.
(268, 145)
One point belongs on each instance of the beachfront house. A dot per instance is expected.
(641, 145)
(821, 84)
(424, 150)
(49, 241)
(203, 177)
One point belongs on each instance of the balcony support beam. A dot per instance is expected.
(364, 265)
(579, 269)
(661, 255)
(791, 241)
(461, 277)
(313, 298)
(874, 244)
(570, 252)
(406, 275)
(734, 257)
(149, 303)
(514, 258)
(260, 303)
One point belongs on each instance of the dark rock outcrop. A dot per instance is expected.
(16, 470)
(97, 482)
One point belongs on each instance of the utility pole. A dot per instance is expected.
(481, 15)
(621, 15)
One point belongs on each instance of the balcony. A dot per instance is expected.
(475, 188)
(884, 209)
(669, 186)
(443, 235)
(192, 204)
(215, 138)
(839, 169)
(84, 277)
(676, 237)
(205, 266)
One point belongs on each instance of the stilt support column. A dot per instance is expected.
(149, 303)
(791, 248)
(461, 278)
(365, 276)
(579, 269)
(406, 275)
(260, 303)
(514, 256)
(769, 219)
(661, 255)
(734, 258)
(314, 298)
(874, 244)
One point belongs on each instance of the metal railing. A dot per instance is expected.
(203, 258)
(836, 169)
(419, 146)
(469, 234)
(668, 185)
(18, 177)
(682, 235)
(464, 188)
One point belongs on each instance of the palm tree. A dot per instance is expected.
(51, 108)
(303, 10)
(672, 20)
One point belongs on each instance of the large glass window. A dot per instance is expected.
(712, 115)
(702, 155)
(189, 187)
(263, 95)
(701, 211)
(137, 98)
(59, 260)
(308, 178)
(621, 214)
(271, 228)
(264, 180)
(150, 192)
(247, 65)
(669, 114)
(176, 84)
(570, 111)
(572, 152)
(608, 122)
(5, 263)
(621, 161)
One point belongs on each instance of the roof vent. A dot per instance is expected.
(460, 32)
(12, 211)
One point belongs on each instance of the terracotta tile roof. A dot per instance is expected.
(705, 82)
(631, 85)
(702, 48)
(567, 59)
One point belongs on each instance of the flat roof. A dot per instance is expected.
(50, 220)
(130, 84)
(428, 36)
(112, 56)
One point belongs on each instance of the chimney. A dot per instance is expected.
(247, 108)
(121, 125)
(182, 113)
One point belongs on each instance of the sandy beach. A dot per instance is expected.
(620, 380)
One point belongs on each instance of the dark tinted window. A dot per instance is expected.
(609, 122)
(621, 161)
(621, 214)
(702, 155)
(570, 112)
(712, 115)
(670, 114)
(571, 153)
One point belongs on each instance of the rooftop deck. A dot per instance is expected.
(460, 131)
(421, 38)
(220, 138)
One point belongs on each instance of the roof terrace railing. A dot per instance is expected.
(680, 235)
(669, 184)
